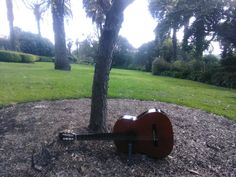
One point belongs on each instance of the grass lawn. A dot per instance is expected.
(39, 81)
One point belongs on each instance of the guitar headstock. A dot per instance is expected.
(67, 136)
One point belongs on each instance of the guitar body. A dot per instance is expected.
(152, 131)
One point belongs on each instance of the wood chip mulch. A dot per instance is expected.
(204, 144)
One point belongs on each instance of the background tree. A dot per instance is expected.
(77, 48)
(97, 10)
(34, 44)
(145, 55)
(207, 15)
(69, 46)
(38, 7)
(168, 15)
(114, 19)
(10, 17)
(86, 51)
(203, 22)
(226, 31)
(177, 13)
(123, 53)
(58, 12)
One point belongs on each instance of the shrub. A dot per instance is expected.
(210, 59)
(27, 58)
(159, 65)
(46, 59)
(138, 67)
(178, 65)
(208, 70)
(195, 65)
(34, 44)
(72, 58)
(229, 64)
(4, 44)
(225, 79)
(206, 77)
(11, 56)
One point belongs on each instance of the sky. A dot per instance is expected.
(138, 25)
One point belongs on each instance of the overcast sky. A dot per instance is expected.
(138, 25)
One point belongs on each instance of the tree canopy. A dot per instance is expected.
(38, 7)
(207, 19)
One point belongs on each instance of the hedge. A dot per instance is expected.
(7, 56)
(46, 59)
(212, 72)
(11, 56)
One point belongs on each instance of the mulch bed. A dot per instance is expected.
(204, 144)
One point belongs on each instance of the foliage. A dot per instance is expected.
(208, 19)
(11, 56)
(145, 56)
(34, 44)
(225, 79)
(229, 64)
(31, 82)
(27, 58)
(209, 70)
(179, 65)
(160, 65)
(97, 10)
(38, 7)
(86, 51)
(226, 30)
(46, 59)
(4, 44)
(166, 50)
(180, 69)
(123, 54)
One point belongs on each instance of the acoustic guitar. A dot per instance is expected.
(149, 133)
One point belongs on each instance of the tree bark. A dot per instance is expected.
(37, 15)
(114, 19)
(61, 59)
(200, 37)
(10, 17)
(38, 26)
(174, 43)
(186, 35)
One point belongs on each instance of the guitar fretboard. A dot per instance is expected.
(97, 136)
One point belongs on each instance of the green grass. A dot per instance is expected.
(39, 81)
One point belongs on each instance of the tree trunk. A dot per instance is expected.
(61, 59)
(38, 26)
(185, 47)
(37, 15)
(10, 17)
(114, 19)
(200, 37)
(174, 43)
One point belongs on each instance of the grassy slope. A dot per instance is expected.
(39, 81)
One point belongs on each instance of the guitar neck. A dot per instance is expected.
(96, 136)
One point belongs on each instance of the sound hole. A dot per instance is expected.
(154, 135)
